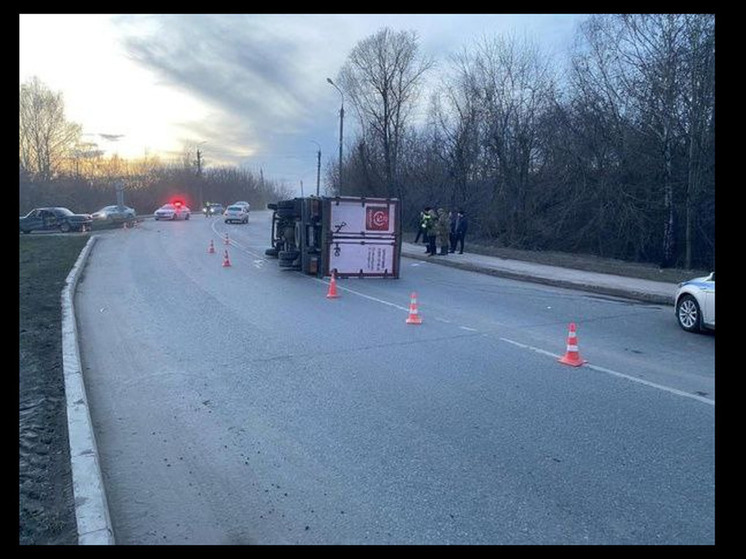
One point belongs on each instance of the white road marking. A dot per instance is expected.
(518, 344)
(618, 374)
(376, 299)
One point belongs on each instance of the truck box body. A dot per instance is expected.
(356, 237)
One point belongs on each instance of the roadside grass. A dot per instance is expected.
(46, 511)
(590, 263)
(586, 262)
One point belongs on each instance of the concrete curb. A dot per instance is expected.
(91, 506)
(653, 296)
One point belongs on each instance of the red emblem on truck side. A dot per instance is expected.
(377, 218)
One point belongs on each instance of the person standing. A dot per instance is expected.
(460, 228)
(443, 229)
(429, 225)
(420, 227)
(452, 231)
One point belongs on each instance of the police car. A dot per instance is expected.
(695, 304)
(172, 212)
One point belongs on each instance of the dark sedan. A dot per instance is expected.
(61, 219)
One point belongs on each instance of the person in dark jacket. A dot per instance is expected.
(452, 232)
(459, 229)
(420, 227)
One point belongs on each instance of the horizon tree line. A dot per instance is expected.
(615, 157)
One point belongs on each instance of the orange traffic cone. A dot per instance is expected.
(572, 357)
(332, 293)
(211, 248)
(414, 315)
(226, 260)
(227, 241)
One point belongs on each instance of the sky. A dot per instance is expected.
(247, 90)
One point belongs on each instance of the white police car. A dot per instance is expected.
(695, 304)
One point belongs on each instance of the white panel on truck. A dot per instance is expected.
(362, 217)
(363, 257)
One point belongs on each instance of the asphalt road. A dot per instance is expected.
(239, 405)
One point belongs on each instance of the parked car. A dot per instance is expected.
(236, 214)
(172, 212)
(115, 213)
(62, 219)
(212, 209)
(695, 304)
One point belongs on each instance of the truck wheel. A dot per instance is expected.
(271, 252)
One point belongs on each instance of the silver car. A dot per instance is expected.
(115, 213)
(236, 214)
(695, 304)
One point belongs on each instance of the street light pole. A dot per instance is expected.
(341, 124)
(199, 175)
(318, 167)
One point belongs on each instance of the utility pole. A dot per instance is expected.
(341, 124)
(199, 178)
(318, 171)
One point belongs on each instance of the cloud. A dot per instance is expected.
(251, 89)
(111, 137)
(250, 76)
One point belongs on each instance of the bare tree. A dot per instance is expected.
(382, 77)
(455, 124)
(46, 139)
(699, 122)
(657, 71)
(503, 89)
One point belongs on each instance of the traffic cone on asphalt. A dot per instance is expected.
(414, 315)
(332, 293)
(226, 260)
(572, 356)
(211, 248)
(227, 241)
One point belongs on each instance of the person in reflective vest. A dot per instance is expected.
(428, 225)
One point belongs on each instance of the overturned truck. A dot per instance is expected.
(352, 236)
